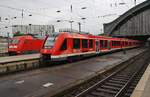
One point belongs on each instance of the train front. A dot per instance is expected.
(47, 49)
(13, 46)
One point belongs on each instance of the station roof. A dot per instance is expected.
(110, 27)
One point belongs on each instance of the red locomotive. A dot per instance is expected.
(25, 44)
(67, 45)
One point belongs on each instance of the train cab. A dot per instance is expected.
(25, 44)
(65, 45)
(14, 45)
(68, 45)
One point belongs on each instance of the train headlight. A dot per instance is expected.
(15, 46)
(48, 47)
(12, 46)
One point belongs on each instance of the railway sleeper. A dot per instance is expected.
(110, 87)
(134, 84)
(122, 76)
(137, 79)
(114, 84)
(125, 74)
(117, 82)
(98, 94)
(131, 87)
(106, 91)
(128, 94)
(118, 79)
(130, 90)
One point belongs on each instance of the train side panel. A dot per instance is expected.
(67, 45)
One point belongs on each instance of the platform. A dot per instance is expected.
(143, 87)
(51, 80)
(9, 59)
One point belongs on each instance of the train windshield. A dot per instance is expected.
(49, 42)
(14, 41)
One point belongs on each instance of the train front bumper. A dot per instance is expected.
(45, 57)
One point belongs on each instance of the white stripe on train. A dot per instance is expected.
(86, 53)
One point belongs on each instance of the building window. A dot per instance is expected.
(64, 45)
(84, 43)
(90, 43)
(76, 43)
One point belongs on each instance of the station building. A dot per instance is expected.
(34, 29)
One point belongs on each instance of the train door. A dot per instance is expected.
(108, 44)
(97, 46)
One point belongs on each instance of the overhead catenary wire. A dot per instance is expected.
(26, 10)
(91, 11)
(23, 11)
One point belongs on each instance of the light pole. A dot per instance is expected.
(71, 24)
(79, 26)
(30, 27)
(135, 2)
(71, 20)
(8, 39)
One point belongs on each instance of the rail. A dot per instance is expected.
(118, 81)
(116, 84)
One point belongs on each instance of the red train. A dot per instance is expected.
(67, 45)
(25, 44)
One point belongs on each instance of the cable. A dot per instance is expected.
(18, 9)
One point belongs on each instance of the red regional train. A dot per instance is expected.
(65, 46)
(25, 44)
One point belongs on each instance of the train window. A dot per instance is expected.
(14, 41)
(84, 43)
(64, 45)
(106, 43)
(90, 43)
(119, 43)
(113, 43)
(49, 42)
(76, 43)
(116, 43)
(124, 43)
(102, 43)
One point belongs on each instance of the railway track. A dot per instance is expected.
(3, 54)
(120, 83)
(20, 63)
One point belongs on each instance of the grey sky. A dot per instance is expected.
(44, 12)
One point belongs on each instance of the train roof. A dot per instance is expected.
(30, 36)
(74, 35)
(90, 36)
(24, 36)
